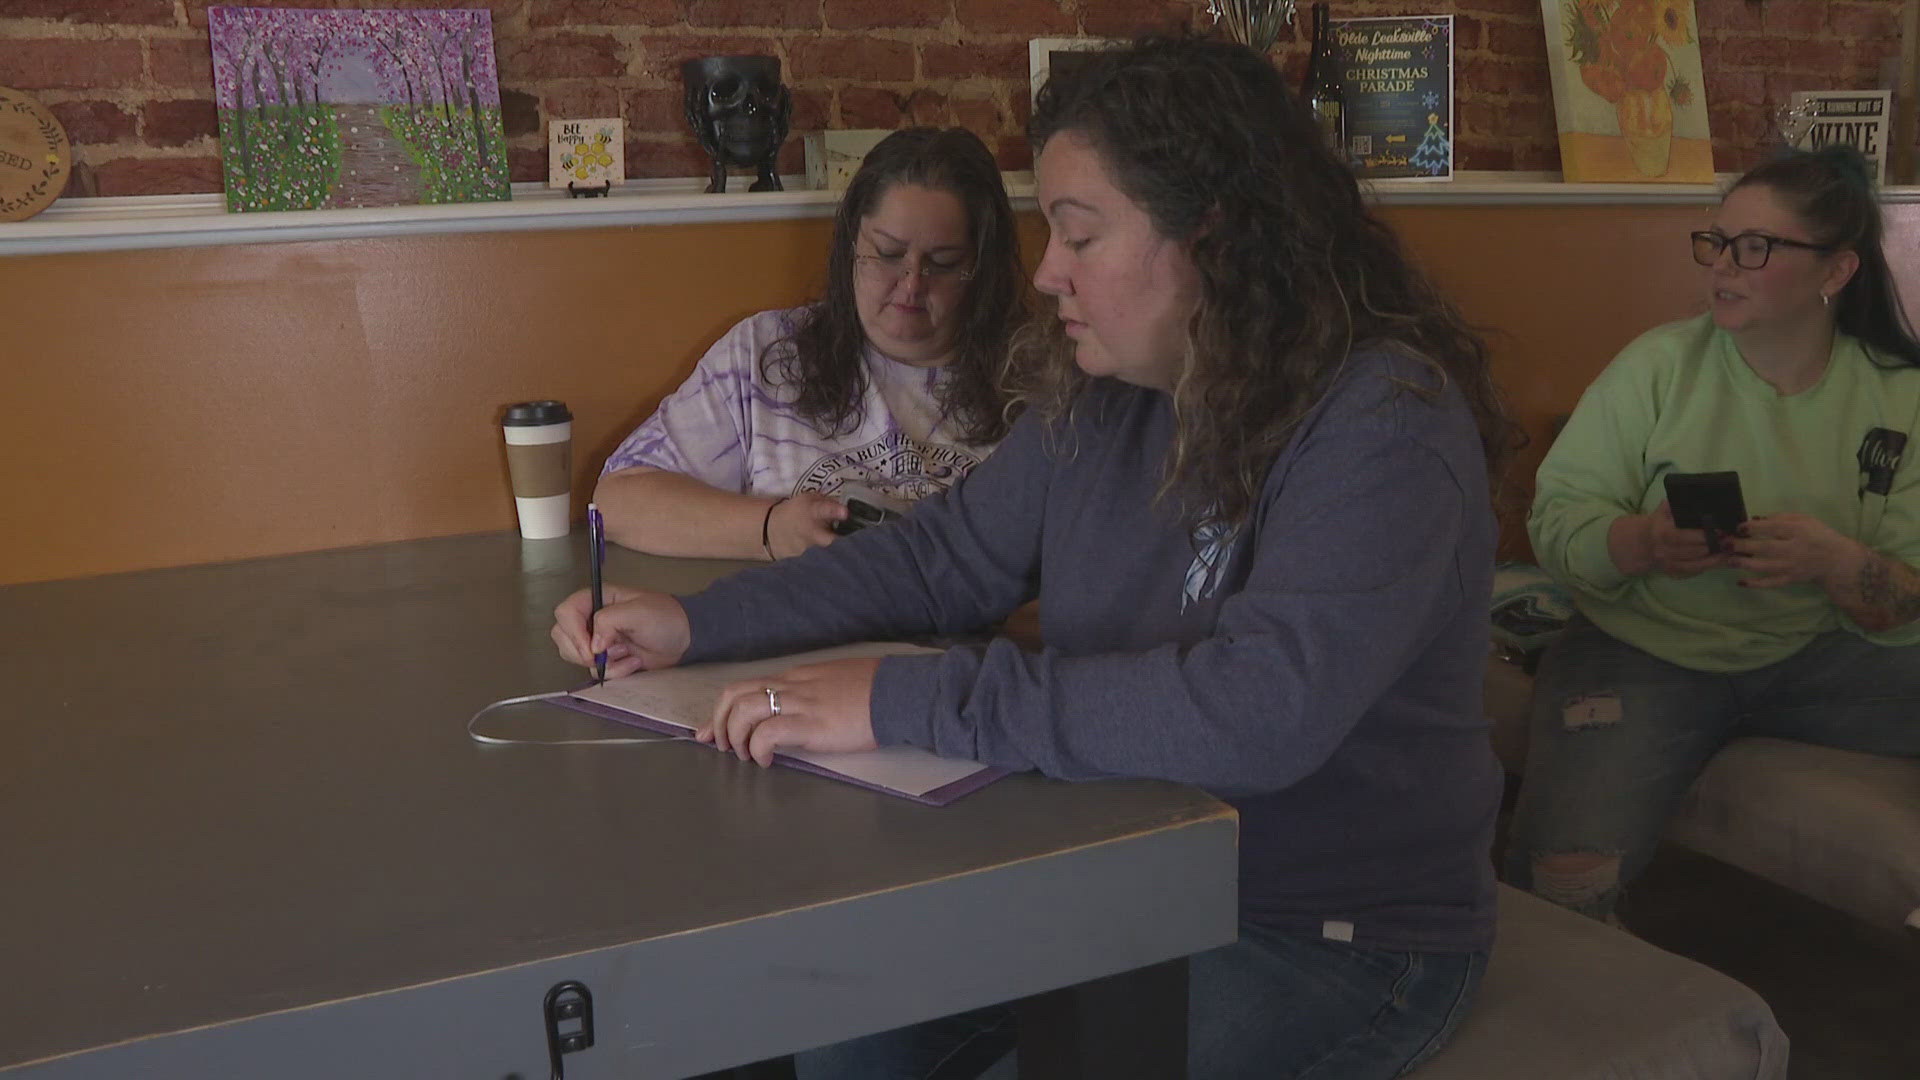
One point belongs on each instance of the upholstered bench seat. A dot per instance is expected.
(1840, 827)
(1569, 998)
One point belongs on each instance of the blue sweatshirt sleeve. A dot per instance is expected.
(959, 561)
(1356, 570)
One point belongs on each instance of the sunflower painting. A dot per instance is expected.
(1626, 90)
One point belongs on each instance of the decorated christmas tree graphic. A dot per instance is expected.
(1434, 152)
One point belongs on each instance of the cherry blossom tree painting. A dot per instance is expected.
(356, 108)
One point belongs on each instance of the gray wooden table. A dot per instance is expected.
(243, 833)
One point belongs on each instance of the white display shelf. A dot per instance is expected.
(151, 221)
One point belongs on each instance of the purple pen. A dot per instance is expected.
(597, 556)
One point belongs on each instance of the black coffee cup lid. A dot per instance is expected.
(536, 414)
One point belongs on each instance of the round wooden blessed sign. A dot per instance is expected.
(34, 156)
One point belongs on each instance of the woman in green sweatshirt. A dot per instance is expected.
(1804, 378)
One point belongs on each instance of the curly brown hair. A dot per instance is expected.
(822, 358)
(1204, 136)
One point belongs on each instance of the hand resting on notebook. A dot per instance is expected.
(823, 708)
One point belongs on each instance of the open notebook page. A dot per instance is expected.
(683, 698)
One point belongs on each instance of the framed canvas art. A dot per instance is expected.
(587, 152)
(1626, 90)
(329, 109)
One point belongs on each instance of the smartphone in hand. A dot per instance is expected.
(1708, 501)
(861, 514)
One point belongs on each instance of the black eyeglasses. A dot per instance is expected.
(889, 269)
(1750, 249)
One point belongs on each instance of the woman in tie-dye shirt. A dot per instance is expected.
(886, 390)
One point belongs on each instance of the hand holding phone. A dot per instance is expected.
(1710, 502)
(861, 514)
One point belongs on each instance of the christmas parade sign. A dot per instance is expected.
(1397, 74)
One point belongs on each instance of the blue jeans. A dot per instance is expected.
(1270, 1006)
(1619, 735)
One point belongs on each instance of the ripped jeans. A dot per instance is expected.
(1619, 735)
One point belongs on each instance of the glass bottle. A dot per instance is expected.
(1323, 92)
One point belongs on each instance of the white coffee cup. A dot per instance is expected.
(540, 465)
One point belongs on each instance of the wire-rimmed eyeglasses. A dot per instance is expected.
(889, 269)
(1751, 250)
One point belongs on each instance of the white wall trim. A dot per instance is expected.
(153, 221)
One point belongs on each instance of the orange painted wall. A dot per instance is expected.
(200, 404)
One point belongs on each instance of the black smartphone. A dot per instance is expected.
(1710, 501)
(861, 514)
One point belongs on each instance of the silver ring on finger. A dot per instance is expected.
(773, 700)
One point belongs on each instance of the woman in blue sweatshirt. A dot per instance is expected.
(1250, 488)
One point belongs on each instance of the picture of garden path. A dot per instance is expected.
(331, 109)
(375, 168)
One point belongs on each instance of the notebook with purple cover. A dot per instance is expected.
(675, 701)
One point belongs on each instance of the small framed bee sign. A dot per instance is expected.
(585, 153)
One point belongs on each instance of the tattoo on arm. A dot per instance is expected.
(1874, 580)
(1891, 589)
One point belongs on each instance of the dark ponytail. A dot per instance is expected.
(1831, 189)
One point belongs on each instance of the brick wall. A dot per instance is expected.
(131, 79)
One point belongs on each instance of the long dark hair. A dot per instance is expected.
(822, 359)
(1831, 191)
(1295, 272)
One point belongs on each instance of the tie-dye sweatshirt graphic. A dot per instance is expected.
(728, 427)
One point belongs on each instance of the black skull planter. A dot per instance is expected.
(739, 112)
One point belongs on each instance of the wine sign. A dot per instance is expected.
(1856, 117)
(1397, 75)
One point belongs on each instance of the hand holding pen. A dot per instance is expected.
(637, 630)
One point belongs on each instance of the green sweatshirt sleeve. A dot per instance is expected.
(1596, 472)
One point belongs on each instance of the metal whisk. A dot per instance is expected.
(1254, 23)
